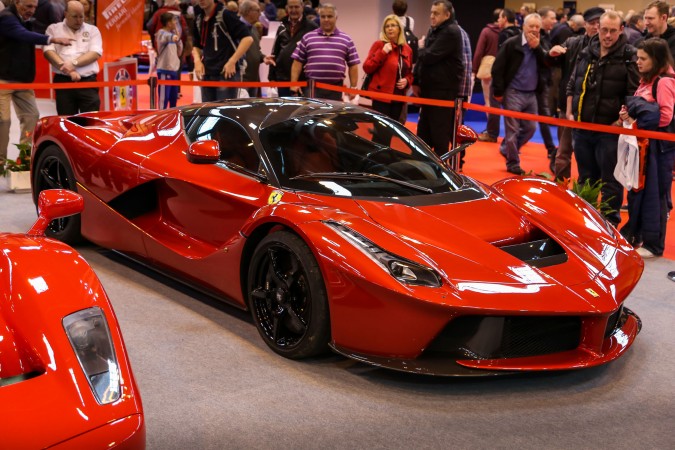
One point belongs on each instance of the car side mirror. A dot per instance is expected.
(204, 152)
(55, 204)
(465, 137)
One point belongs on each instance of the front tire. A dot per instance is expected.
(53, 171)
(288, 298)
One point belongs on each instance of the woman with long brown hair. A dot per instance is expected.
(649, 207)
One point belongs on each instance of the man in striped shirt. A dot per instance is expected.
(324, 54)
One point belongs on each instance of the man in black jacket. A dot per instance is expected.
(517, 77)
(605, 73)
(220, 41)
(438, 74)
(565, 56)
(17, 53)
(293, 27)
(656, 22)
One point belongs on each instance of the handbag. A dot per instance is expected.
(485, 68)
(366, 81)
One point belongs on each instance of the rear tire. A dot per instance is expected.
(52, 171)
(288, 298)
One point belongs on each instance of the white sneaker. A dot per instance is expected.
(646, 254)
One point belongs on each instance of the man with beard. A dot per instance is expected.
(565, 56)
(604, 75)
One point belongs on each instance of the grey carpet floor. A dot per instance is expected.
(208, 381)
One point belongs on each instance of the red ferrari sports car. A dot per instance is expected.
(337, 227)
(65, 380)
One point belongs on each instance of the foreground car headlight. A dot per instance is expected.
(89, 335)
(402, 269)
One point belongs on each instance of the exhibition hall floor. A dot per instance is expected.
(209, 382)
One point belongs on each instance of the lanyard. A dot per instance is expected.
(205, 27)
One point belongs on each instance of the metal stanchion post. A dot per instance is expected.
(459, 116)
(311, 88)
(152, 82)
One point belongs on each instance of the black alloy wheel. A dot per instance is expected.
(52, 171)
(288, 298)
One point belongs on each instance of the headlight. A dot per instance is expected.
(402, 269)
(89, 335)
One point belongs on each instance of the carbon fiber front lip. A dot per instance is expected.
(434, 366)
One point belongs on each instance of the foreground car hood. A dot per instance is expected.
(45, 396)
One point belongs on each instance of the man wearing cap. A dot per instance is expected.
(605, 73)
(565, 56)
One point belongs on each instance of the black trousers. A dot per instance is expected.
(74, 101)
(435, 127)
(392, 109)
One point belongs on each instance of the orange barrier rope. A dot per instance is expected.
(78, 85)
(611, 129)
(239, 84)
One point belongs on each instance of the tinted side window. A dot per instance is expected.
(236, 147)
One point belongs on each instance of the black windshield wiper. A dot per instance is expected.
(361, 176)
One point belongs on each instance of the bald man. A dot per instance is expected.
(75, 63)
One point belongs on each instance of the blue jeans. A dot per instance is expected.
(168, 95)
(596, 159)
(210, 94)
(517, 131)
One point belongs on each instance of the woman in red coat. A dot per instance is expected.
(389, 64)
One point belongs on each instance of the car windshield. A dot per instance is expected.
(354, 154)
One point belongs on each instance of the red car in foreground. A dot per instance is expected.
(65, 379)
(337, 227)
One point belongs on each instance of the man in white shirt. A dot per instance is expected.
(75, 63)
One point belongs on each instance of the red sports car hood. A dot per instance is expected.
(474, 231)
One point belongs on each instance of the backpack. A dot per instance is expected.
(411, 39)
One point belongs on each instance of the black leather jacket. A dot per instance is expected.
(508, 61)
(440, 68)
(284, 46)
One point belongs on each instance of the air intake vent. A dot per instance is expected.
(539, 253)
(498, 337)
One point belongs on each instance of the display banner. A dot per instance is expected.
(121, 98)
(121, 25)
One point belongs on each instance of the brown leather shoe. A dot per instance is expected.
(485, 137)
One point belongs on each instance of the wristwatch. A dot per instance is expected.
(75, 63)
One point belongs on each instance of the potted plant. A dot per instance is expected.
(17, 172)
(589, 192)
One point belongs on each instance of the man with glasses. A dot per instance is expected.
(565, 56)
(604, 75)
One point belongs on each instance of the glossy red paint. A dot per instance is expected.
(46, 397)
(200, 223)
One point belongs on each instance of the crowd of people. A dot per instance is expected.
(580, 66)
